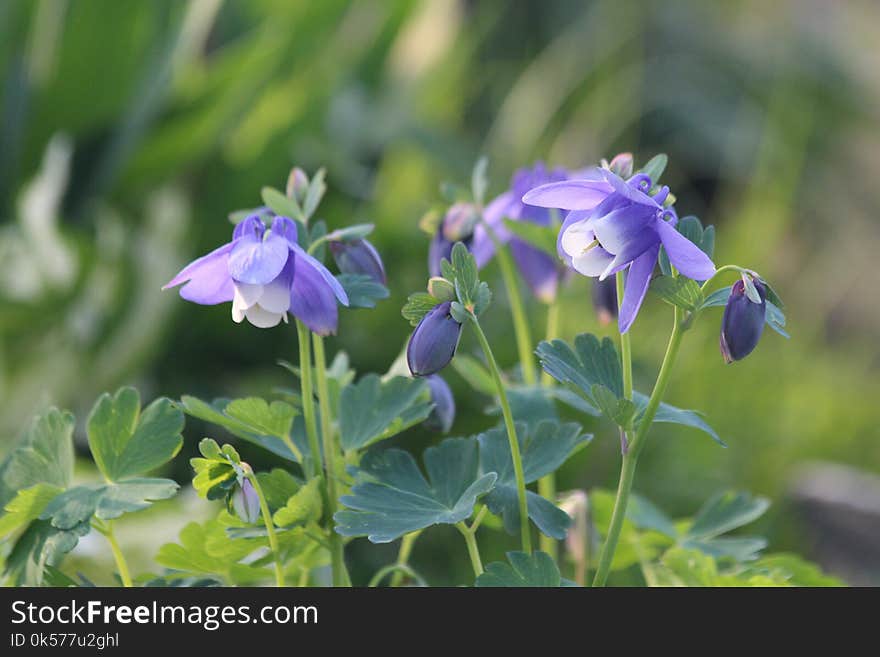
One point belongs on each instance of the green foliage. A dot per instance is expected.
(127, 443)
(655, 167)
(77, 506)
(372, 410)
(217, 472)
(43, 455)
(544, 448)
(417, 306)
(303, 507)
(541, 237)
(475, 373)
(254, 421)
(669, 414)
(26, 507)
(679, 291)
(523, 570)
(362, 290)
(392, 497)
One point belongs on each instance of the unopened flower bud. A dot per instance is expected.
(358, 257)
(622, 165)
(433, 343)
(297, 185)
(743, 321)
(459, 222)
(246, 502)
(441, 289)
(443, 414)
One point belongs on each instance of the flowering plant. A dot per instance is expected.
(334, 478)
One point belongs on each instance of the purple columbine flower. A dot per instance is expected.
(433, 343)
(265, 274)
(358, 257)
(742, 322)
(615, 225)
(246, 502)
(540, 270)
(443, 414)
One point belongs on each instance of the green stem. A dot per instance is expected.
(470, 538)
(547, 483)
(625, 346)
(518, 314)
(406, 546)
(270, 526)
(305, 367)
(337, 555)
(511, 437)
(631, 457)
(121, 564)
(721, 270)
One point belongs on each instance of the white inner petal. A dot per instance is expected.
(262, 318)
(577, 238)
(246, 295)
(276, 296)
(591, 263)
(237, 313)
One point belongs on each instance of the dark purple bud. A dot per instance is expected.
(433, 343)
(605, 299)
(358, 257)
(443, 415)
(743, 322)
(246, 502)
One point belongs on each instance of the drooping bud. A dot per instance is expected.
(605, 299)
(246, 502)
(358, 257)
(441, 289)
(743, 321)
(622, 165)
(297, 185)
(433, 343)
(443, 415)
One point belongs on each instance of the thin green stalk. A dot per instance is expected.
(625, 347)
(121, 564)
(547, 483)
(406, 546)
(270, 526)
(305, 367)
(520, 322)
(470, 538)
(511, 436)
(337, 555)
(553, 311)
(631, 457)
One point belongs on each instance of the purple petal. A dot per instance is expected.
(630, 191)
(684, 254)
(252, 225)
(504, 205)
(539, 270)
(314, 294)
(637, 280)
(627, 231)
(439, 250)
(209, 280)
(569, 194)
(482, 246)
(286, 228)
(257, 258)
(304, 258)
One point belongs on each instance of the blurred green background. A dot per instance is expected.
(130, 129)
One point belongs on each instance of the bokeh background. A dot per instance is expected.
(129, 130)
